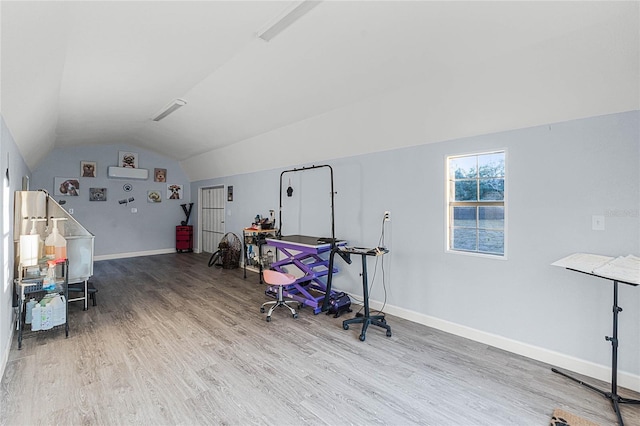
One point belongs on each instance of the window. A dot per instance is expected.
(476, 208)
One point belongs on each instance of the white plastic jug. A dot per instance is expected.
(36, 313)
(29, 315)
(55, 246)
(59, 314)
(47, 316)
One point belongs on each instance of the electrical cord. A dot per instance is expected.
(373, 279)
(375, 271)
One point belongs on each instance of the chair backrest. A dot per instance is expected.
(277, 278)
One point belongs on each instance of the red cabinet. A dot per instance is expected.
(184, 238)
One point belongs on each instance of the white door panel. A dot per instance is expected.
(212, 214)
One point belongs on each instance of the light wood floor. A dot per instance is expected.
(173, 341)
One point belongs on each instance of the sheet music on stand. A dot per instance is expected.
(623, 268)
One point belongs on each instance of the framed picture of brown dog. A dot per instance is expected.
(159, 175)
(88, 169)
(66, 186)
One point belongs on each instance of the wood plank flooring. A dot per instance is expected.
(174, 342)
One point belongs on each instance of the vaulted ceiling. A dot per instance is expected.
(96, 72)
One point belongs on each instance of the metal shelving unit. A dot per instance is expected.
(26, 285)
(256, 239)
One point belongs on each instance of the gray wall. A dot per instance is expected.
(117, 230)
(559, 175)
(9, 158)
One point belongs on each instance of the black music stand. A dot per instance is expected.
(613, 396)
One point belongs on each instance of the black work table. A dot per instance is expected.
(367, 319)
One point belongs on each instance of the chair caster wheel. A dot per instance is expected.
(345, 326)
(362, 337)
(295, 316)
(388, 333)
(261, 310)
(268, 319)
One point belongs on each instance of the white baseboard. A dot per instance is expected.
(5, 355)
(556, 359)
(134, 254)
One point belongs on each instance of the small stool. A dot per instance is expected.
(79, 288)
(277, 279)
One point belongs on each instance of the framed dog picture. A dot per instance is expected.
(88, 169)
(174, 192)
(159, 175)
(154, 197)
(128, 159)
(97, 194)
(66, 186)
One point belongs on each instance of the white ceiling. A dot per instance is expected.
(90, 72)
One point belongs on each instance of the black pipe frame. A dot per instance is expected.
(303, 169)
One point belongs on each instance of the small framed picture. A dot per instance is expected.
(88, 169)
(174, 192)
(159, 175)
(128, 159)
(230, 193)
(97, 194)
(66, 186)
(154, 197)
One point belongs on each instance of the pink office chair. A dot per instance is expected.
(277, 279)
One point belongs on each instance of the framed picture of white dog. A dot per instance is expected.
(154, 197)
(128, 159)
(66, 186)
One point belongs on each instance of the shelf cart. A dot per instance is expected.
(32, 285)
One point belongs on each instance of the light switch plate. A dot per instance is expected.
(597, 223)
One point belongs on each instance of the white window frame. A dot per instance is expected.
(448, 204)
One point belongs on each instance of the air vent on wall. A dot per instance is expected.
(127, 173)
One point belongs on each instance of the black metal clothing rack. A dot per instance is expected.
(613, 396)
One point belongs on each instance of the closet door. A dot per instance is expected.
(212, 214)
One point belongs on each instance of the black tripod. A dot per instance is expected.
(616, 399)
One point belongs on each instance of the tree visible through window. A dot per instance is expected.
(476, 210)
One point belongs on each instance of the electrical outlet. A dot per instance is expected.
(70, 211)
(387, 216)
